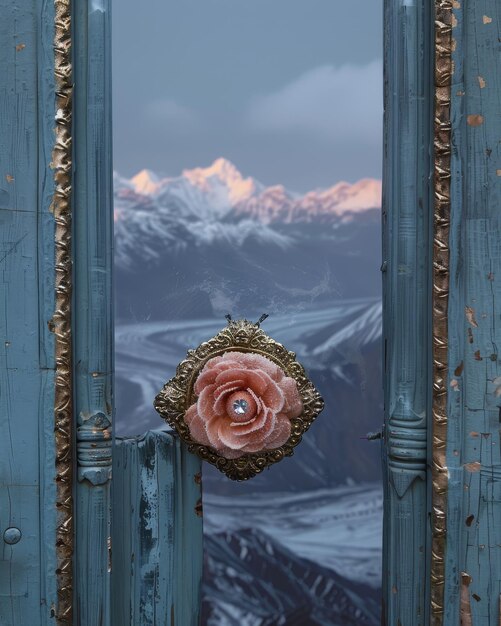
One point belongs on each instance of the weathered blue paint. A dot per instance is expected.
(27, 465)
(157, 532)
(407, 212)
(473, 552)
(93, 310)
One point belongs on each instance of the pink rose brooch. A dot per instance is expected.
(240, 401)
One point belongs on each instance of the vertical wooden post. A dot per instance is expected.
(93, 310)
(407, 301)
(157, 532)
(471, 552)
(27, 365)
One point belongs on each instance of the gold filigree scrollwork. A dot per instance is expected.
(442, 200)
(63, 410)
(242, 336)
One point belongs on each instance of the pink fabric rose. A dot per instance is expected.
(245, 404)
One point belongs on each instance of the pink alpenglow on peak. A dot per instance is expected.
(245, 404)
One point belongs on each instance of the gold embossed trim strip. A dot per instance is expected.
(442, 186)
(63, 410)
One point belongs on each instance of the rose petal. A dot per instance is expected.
(228, 437)
(257, 381)
(221, 395)
(281, 433)
(197, 426)
(205, 403)
(293, 404)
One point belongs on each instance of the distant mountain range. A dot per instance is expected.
(211, 242)
(220, 191)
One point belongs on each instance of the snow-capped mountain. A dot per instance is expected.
(220, 190)
(225, 237)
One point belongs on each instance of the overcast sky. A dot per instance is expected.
(289, 90)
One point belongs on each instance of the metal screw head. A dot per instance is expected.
(12, 535)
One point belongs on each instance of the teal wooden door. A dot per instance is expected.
(28, 471)
(58, 563)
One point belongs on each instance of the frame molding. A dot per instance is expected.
(61, 321)
(441, 224)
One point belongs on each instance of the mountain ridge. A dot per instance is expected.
(221, 191)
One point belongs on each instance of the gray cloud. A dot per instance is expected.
(168, 112)
(329, 102)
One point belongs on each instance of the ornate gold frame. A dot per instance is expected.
(243, 336)
(61, 321)
(442, 201)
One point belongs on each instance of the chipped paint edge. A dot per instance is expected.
(442, 200)
(63, 404)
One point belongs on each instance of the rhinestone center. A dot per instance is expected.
(240, 406)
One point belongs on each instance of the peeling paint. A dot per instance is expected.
(473, 467)
(9, 178)
(470, 316)
(486, 19)
(459, 369)
(481, 82)
(20, 46)
(475, 120)
(465, 600)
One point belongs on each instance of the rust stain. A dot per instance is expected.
(199, 508)
(470, 316)
(490, 275)
(475, 120)
(198, 478)
(470, 336)
(474, 434)
(9, 178)
(473, 467)
(477, 356)
(465, 600)
(469, 520)
(476, 597)
(20, 46)
(481, 82)
(459, 369)
(486, 19)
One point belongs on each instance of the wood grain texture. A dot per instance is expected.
(157, 533)
(27, 460)
(93, 308)
(407, 211)
(473, 452)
